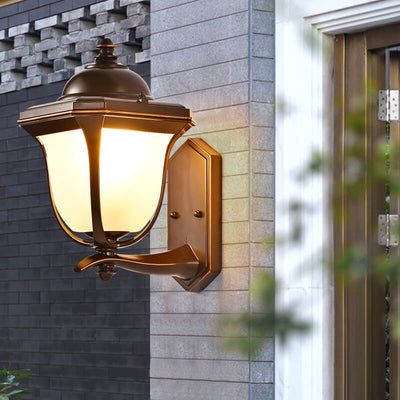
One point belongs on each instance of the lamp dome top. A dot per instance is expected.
(107, 78)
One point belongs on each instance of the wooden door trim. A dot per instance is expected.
(359, 336)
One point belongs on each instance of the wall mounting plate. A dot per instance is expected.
(194, 208)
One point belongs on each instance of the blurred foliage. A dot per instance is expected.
(9, 383)
(247, 332)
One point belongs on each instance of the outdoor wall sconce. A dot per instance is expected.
(107, 145)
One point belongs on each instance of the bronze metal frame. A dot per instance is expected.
(96, 98)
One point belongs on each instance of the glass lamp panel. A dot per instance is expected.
(68, 168)
(131, 171)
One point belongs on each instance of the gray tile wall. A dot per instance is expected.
(217, 58)
(82, 338)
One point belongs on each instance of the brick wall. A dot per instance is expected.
(82, 338)
(217, 58)
(50, 43)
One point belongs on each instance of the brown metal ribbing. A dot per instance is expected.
(92, 130)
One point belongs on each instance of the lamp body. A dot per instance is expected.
(107, 145)
(106, 167)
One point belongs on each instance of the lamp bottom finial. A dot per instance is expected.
(106, 272)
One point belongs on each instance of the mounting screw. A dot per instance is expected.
(174, 214)
(197, 213)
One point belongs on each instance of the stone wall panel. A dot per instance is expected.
(217, 58)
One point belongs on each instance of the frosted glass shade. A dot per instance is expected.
(131, 172)
(68, 168)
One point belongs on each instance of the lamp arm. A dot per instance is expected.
(181, 262)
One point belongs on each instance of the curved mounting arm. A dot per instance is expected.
(181, 262)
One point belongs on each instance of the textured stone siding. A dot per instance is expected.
(217, 58)
(83, 339)
(53, 48)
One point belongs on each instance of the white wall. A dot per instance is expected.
(304, 367)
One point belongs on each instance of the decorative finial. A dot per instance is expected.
(106, 53)
(106, 272)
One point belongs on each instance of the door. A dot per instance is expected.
(365, 350)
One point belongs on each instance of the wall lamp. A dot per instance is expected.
(107, 145)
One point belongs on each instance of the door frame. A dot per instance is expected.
(310, 100)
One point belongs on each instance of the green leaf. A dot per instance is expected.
(15, 392)
(23, 376)
(11, 382)
(19, 371)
